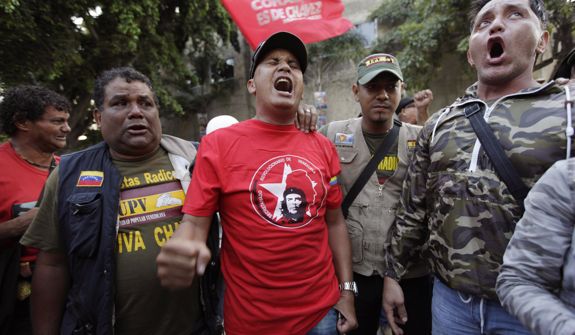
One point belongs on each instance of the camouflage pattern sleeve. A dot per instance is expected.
(409, 231)
(536, 282)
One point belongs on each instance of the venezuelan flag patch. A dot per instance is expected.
(342, 139)
(333, 181)
(411, 144)
(90, 179)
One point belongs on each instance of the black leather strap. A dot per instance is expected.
(369, 169)
(492, 147)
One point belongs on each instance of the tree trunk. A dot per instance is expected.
(80, 120)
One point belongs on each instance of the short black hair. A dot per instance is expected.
(28, 103)
(127, 73)
(537, 6)
(294, 190)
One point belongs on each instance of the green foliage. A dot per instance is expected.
(324, 56)
(64, 45)
(562, 26)
(421, 32)
(8, 6)
(393, 13)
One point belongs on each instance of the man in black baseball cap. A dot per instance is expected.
(285, 280)
(414, 109)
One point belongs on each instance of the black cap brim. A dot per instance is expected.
(403, 103)
(564, 69)
(281, 40)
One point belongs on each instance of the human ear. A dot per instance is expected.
(97, 115)
(23, 125)
(355, 90)
(251, 86)
(543, 41)
(469, 59)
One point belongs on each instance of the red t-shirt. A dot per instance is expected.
(20, 186)
(271, 185)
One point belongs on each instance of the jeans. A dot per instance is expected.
(327, 325)
(454, 312)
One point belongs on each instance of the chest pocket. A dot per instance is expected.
(350, 171)
(347, 156)
(84, 217)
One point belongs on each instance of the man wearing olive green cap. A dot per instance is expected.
(371, 213)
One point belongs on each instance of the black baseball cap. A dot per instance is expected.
(564, 69)
(403, 103)
(281, 40)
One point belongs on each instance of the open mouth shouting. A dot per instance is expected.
(137, 129)
(496, 49)
(284, 85)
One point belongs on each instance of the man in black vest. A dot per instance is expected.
(106, 212)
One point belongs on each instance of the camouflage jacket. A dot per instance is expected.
(454, 205)
(537, 280)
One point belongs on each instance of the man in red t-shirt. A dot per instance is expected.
(36, 120)
(281, 272)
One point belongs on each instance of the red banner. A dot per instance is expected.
(310, 20)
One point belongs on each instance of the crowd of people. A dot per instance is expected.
(398, 221)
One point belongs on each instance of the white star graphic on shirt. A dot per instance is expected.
(277, 189)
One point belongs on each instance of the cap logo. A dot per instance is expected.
(379, 59)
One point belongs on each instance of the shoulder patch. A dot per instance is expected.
(411, 144)
(343, 139)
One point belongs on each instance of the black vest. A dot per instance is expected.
(88, 213)
(87, 218)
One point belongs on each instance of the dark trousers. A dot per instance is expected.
(14, 314)
(22, 323)
(417, 293)
(367, 303)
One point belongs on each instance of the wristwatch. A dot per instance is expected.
(349, 286)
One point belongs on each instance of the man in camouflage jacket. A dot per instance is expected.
(537, 280)
(454, 205)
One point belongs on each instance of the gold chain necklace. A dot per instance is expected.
(47, 167)
(39, 165)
